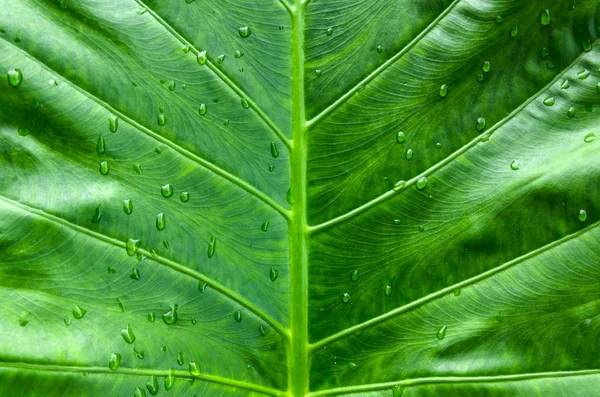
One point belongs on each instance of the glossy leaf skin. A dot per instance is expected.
(299, 198)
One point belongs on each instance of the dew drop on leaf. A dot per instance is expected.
(499, 19)
(184, 197)
(127, 206)
(318, 72)
(379, 49)
(353, 366)
(113, 123)
(499, 317)
(274, 150)
(571, 112)
(194, 368)
(79, 312)
(152, 385)
(238, 54)
(180, 359)
(151, 317)
(220, 59)
(397, 391)
(97, 214)
(128, 335)
(346, 297)
(170, 380)
(388, 290)
(237, 316)
(409, 154)
(15, 77)
(135, 274)
(114, 361)
(100, 147)
(202, 286)
(202, 57)
(444, 90)
(104, 168)
(170, 317)
(442, 332)
(354, 276)
(549, 101)
(166, 190)
(583, 74)
(265, 226)
(138, 169)
(399, 185)
(591, 137)
(202, 109)
(139, 392)
(566, 84)
(245, 103)
(481, 124)
(515, 165)
(161, 223)
(400, 137)
(162, 120)
(514, 31)
(273, 274)
(245, 31)
(422, 182)
(545, 17)
(132, 246)
(329, 31)
(212, 246)
(582, 215)
(486, 67)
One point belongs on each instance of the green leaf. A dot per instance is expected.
(379, 198)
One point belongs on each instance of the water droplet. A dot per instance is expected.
(180, 358)
(329, 31)
(138, 169)
(189, 1)
(572, 5)
(160, 221)
(263, 329)
(135, 274)
(566, 84)
(157, 150)
(152, 385)
(401, 137)
(100, 147)
(545, 16)
(97, 214)
(379, 49)
(514, 31)
(388, 290)
(499, 19)
(127, 206)
(79, 312)
(237, 316)
(486, 67)
(444, 90)
(354, 276)
(202, 286)
(273, 274)
(438, 145)
(442, 332)
(139, 392)
(549, 101)
(220, 59)
(480, 77)
(422, 182)
(132, 246)
(170, 317)
(399, 185)
(113, 123)
(245, 31)
(62, 5)
(346, 297)
(457, 292)
(421, 228)
(202, 57)
(397, 391)
(128, 335)
(318, 72)
(202, 109)
(212, 246)
(172, 85)
(162, 120)
(550, 64)
(265, 226)
(121, 305)
(166, 190)
(582, 215)
(15, 77)
(571, 112)
(151, 317)
(598, 87)
(583, 74)
(104, 168)
(589, 137)
(481, 124)
(274, 150)
(194, 368)
(352, 366)
(288, 196)
(544, 53)
(184, 197)
(139, 353)
(499, 317)
(238, 54)
(409, 154)
(515, 165)
(170, 380)
(245, 103)
(114, 361)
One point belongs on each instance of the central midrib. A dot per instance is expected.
(298, 351)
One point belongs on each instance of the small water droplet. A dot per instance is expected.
(401, 137)
(202, 109)
(549, 101)
(409, 154)
(132, 246)
(170, 317)
(582, 215)
(444, 90)
(499, 317)
(113, 123)
(79, 312)
(544, 53)
(571, 112)
(170, 380)
(273, 274)
(104, 168)
(329, 31)
(139, 392)
(263, 329)
(212, 246)
(352, 366)
(139, 353)
(237, 316)
(15, 77)
(62, 5)
(583, 74)
(100, 146)
(138, 169)
(354, 276)
(245, 31)
(545, 17)
(457, 292)
(184, 197)
(162, 120)
(318, 72)
(152, 385)
(442, 332)
(550, 64)
(486, 67)
(202, 57)
(566, 84)
(194, 368)
(346, 297)
(245, 103)
(97, 214)
(422, 182)
(274, 150)
(388, 290)
(127, 206)
(589, 137)
(397, 391)
(481, 124)
(128, 335)
(288, 196)
(166, 190)
(202, 285)
(172, 85)
(480, 77)
(399, 185)
(421, 228)
(514, 31)
(114, 361)
(220, 59)
(151, 317)
(135, 274)
(160, 221)
(238, 54)
(499, 19)
(379, 49)
(515, 165)
(180, 360)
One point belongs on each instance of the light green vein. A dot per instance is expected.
(220, 74)
(143, 372)
(186, 153)
(453, 380)
(382, 68)
(164, 261)
(438, 294)
(427, 173)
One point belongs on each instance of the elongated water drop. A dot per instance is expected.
(409, 154)
(15, 77)
(79, 312)
(138, 169)
(514, 31)
(549, 101)
(97, 214)
(399, 185)
(162, 120)
(274, 150)
(245, 103)
(194, 368)
(202, 109)
(113, 123)
(114, 361)
(571, 112)
(202, 57)
(170, 380)
(273, 274)
(139, 392)
(515, 165)
(329, 31)
(151, 317)
(166, 190)
(586, 44)
(237, 316)
(442, 332)
(238, 54)
(566, 84)
(353, 366)
(220, 59)
(212, 246)
(161, 223)
(202, 285)
(128, 335)
(545, 17)
(499, 317)
(422, 182)
(265, 226)
(135, 274)
(184, 197)
(127, 206)
(346, 297)
(591, 137)
(582, 215)
(245, 31)
(354, 276)
(100, 147)
(583, 74)
(132, 246)
(388, 290)
(443, 90)
(152, 385)
(486, 67)
(170, 317)
(400, 137)
(180, 359)
(104, 168)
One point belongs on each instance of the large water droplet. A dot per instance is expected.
(245, 31)
(486, 67)
(401, 137)
(202, 109)
(444, 90)
(591, 137)
(515, 165)
(422, 182)
(113, 123)
(170, 317)
(274, 150)
(161, 223)
(566, 84)
(127, 206)
(170, 380)
(545, 17)
(15, 77)
(202, 57)
(237, 316)
(399, 185)
(346, 297)
(184, 197)
(442, 332)
(114, 361)
(104, 168)
(549, 101)
(79, 312)
(582, 215)
(128, 335)
(132, 246)
(481, 124)
(166, 190)
(212, 246)
(100, 147)
(194, 368)
(152, 385)
(220, 59)
(329, 31)
(583, 74)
